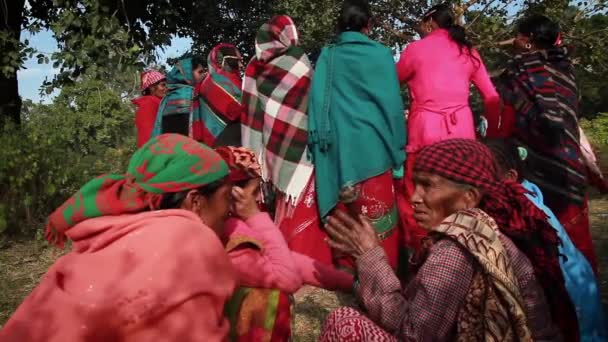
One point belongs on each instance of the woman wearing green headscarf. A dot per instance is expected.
(147, 263)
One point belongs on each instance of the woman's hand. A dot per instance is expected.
(245, 199)
(351, 236)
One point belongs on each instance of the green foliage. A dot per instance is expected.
(597, 130)
(87, 131)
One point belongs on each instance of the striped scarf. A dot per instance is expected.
(275, 96)
(540, 86)
(220, 95)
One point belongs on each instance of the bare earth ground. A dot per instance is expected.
(23, 263)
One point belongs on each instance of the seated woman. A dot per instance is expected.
(472, 283)
(180, 110)
(578, 274)
(268, 272)
(136, 272)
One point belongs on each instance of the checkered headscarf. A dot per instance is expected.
(470, 162)
(275, 96)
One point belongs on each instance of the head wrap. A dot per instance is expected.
(242, 162)
(166, 164)
(470, 162)
(275, 96)
(150, 78)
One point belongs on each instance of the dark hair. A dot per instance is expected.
(198, 60)
(354, 16)
(541, 30)
(443, 16)
(506, 154)
(174, 200)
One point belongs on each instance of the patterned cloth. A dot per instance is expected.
(275, 95)
(258, 314)
(181, 99)
(242, 162)
(220, 94)
(150, 78)
(444, 290)
(470, 162)
(541, 88)
(356, 127)
(166, 164)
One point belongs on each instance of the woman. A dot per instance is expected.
(268, 272)
(541, 109)
(356, 129)
(489, 256)
(180, 111)
(276, 127)
(438, 70)
(137, 272)
(153, 89)
(220, 93)
(578, 275)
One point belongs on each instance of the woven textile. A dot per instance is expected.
(166, 164)
(220, 94)
(470, 162)
(275, 96)
(541, 88)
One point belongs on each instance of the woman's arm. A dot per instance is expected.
(483, 83)
(271, 267)
(433, 300)
(321, 275)
(405, 65)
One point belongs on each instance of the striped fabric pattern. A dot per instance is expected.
(275, 96)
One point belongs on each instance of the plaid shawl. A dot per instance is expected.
(470, 162)
(166, 164)
(275, 96)
(220, 95)
(181, 98)
(540, 86)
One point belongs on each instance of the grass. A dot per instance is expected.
(22, 263)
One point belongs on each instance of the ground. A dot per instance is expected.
(22, 264)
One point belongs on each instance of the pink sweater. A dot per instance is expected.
(272, 264)
(438, 76)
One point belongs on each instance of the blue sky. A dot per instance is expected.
(31, 78)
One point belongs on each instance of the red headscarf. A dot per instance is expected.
(470, 162)
(241, 161)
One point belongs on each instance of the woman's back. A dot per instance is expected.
(439, 72)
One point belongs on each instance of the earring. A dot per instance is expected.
(528, 46)
(429, 30)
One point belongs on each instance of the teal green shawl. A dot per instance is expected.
(356, 122)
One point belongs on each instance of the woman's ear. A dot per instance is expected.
(472, 197)
(512, 175)
(193, 201)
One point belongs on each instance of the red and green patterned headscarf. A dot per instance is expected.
(168, 163)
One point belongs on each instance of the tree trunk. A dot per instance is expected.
(11, 18)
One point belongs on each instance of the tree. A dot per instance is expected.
(100, 37)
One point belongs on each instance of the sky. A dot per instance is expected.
(31, 77)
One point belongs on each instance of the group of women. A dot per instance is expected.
(243, 191)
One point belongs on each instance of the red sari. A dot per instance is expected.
(376, 200)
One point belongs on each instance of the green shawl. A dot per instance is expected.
(356, 123)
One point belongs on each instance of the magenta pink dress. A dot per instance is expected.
(438, 76)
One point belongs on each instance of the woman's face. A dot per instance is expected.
(198, 73)
(436, 198)
(213, 209)
(159, 89)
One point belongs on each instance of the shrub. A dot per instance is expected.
(88, 130)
